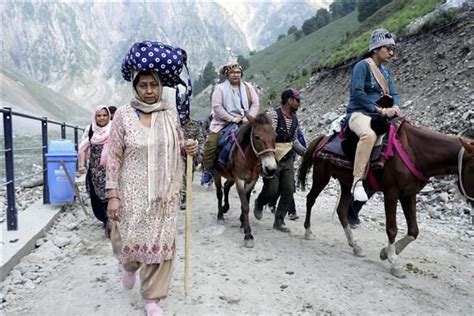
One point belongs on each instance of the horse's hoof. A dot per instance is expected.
(309, 236)
(358, 252)
(398, 272)
(257, 213)
(225, 210)
(383, 254)
(220, 221)
(248, 243)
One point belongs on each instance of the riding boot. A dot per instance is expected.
(280, 226)
(209, 155)
(358, 191)
(206, 176)
(257, 210)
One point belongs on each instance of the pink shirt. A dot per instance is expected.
(221, 117)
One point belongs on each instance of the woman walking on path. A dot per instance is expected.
(93, 148)
(144, 172)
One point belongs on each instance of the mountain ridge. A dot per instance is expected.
(76, 49)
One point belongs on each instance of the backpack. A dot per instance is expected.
(91, 132)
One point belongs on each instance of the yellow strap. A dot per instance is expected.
(378, 76)
(281, 149)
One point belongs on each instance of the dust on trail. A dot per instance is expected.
(284, 274)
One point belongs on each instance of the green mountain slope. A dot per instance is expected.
(290, 63)
(285, 60)
(395, 16)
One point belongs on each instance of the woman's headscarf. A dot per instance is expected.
(164, 160)
(100, 134)
(225, 69)
(168, 62)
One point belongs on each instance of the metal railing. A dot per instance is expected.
(12, 215)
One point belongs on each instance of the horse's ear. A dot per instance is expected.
(250, 118)
(468, 145)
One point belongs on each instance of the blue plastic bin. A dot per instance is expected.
(60, 190)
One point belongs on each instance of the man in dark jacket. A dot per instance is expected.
(292, 205)
(285, 123)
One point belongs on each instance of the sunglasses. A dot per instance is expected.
(390, 48)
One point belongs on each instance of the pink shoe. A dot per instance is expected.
(153, 308)
(128, 279)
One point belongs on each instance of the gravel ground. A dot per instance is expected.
(73, 272)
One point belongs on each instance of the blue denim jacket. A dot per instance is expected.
(365, 90)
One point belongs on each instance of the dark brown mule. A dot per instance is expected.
(432, 153)
(254, 154)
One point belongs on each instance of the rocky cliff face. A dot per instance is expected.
(76, 48)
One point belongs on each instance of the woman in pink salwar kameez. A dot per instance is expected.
(144, 175)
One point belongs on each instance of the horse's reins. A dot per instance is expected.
(461, 186)
(259, 153)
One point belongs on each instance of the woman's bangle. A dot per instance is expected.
(114, 197)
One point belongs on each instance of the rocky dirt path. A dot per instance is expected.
(73, 271)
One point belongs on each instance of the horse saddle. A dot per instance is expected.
(226, 144)
(340, 148)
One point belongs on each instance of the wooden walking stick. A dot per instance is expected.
(74, 187)
(187, 225)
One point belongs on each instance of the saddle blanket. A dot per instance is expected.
(333, 151)
(226, 144)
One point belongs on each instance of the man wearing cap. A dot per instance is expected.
(285, 123)
(231, 101)
(371, 82)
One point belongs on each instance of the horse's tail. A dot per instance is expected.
(307, 161)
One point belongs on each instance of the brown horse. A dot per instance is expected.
(432, 153)
(253, 154)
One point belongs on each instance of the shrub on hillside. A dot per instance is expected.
(441, 19)
(321, 19)
(207, 77)
(243, 62)
(298, 34)
(340, 8)
(292, 29)
(368, 7)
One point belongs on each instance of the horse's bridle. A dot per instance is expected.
(461, 186)
(259, 153)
